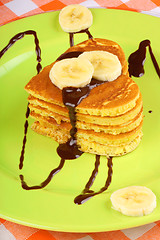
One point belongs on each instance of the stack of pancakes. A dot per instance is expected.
(109, 120)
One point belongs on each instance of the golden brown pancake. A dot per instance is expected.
(109, 120)
(112, 129)
(88, 142)
(109, 99)
(61, 113)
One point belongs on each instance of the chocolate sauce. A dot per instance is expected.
(155, 63)
(71, 41)
(38, 67)
(87, 194)
(93, 176)
(70, 149)
(20, 36)
(71, 35)
(44, 183)
(72, 97)
(73, 54)
(24, 139)
(137, 59)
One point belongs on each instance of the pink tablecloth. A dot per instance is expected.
(11, 10)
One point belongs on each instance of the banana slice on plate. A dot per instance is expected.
(71, 72)
(134, 200)
(74, 18)
(107, 66)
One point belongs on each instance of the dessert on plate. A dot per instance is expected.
(86, 101)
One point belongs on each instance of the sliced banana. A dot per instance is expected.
(134, 200)
(71, 72)
(74, 18)
(107, 66)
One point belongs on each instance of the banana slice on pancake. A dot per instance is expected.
(134, 200)
(107, 66)
(71, 72)
(74, 18)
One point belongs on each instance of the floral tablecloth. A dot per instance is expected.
(11, 10)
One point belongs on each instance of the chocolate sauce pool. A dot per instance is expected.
(71, 99)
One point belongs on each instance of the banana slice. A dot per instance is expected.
(107, 66)
(74, 18)
(71, 72)
(134, 200)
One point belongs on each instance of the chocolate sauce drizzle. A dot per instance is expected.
(70, 149)
(72, 97)
(38, 67)
(25, 138)
(20, 36)
(44, 183)
(93, 176)
(137, 59)
(87, 194)
(71, 35)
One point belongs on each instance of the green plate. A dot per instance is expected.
(53, 207)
